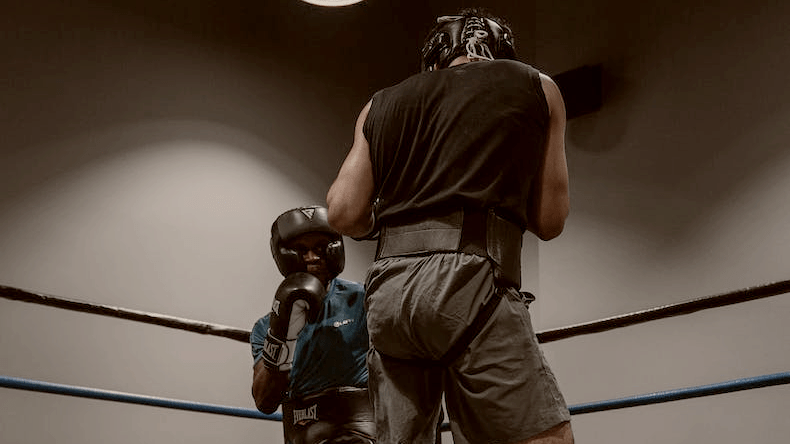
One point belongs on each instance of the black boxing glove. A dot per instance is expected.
(297, 301)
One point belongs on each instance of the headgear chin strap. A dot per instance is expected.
(478, 38)
(299, 221)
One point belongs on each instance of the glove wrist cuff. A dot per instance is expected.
(278, 353)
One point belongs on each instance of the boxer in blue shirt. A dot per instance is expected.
(309, 351)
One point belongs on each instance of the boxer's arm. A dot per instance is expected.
(268, 387)
(549, 202)
(297, 300)
(350, 198)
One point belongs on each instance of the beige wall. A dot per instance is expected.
(679, 190)
(142, 162)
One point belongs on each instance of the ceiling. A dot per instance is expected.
(363, 47)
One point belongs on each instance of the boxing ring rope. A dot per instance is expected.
(682, 308)
(205, 328)
(665, 311)
(735, 297)
(578, 409)
(131, 398)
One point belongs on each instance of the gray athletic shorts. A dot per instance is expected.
(500, 390)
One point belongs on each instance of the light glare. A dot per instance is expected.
(332, 2)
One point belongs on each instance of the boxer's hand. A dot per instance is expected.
(297, 301)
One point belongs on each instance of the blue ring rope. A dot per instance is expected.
(631, 401)
(683, 393)
(110, 395)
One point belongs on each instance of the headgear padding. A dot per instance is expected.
(479, 38)
(296, 222)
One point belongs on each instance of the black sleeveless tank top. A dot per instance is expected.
(469, 136)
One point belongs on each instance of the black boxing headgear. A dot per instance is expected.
(470, 34)
(296, 222)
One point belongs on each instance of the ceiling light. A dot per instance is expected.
(332, 2)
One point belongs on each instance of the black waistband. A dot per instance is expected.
(330, 411)
(482, 233)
